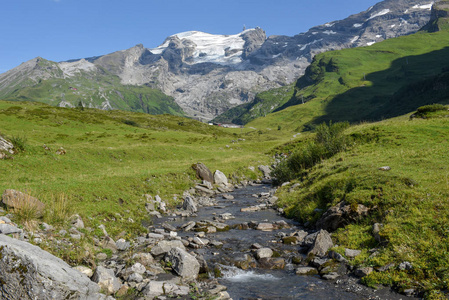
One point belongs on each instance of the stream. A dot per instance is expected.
(251, 280)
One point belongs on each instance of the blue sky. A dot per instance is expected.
(66, 29)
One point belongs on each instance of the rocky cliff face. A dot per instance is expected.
(208, 74)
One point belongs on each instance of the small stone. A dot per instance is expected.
(405, 266)
(331, 276)
(362, 272)
(306, 271)
(85, 270)
(264, 253)
(352, 253)
(265, 227)
(102, 256)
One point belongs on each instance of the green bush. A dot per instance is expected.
(329, 140)
(431, 108)
(19, 143)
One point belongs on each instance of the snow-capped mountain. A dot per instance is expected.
(208, 74)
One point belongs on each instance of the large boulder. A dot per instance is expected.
(220, 178)
(183, 263)
(19, 200)
(323, 242)
(203, 172)
(28, 272)
(341, 215)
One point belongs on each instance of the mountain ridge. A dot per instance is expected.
(206, 82)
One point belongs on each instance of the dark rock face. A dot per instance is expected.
(28, 272)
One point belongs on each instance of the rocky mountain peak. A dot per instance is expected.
(207, 74)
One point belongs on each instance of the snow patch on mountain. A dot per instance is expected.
(211, 48)
(381, 13)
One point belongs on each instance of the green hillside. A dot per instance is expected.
(409, 200)
(263, 104)
(384, 80)
(97, 88)
(115, 157)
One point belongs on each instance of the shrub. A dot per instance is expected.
(131, 123)
(431, 108)
(329, 140)
(19, 143)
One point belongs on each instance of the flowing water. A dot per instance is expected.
(257, 283)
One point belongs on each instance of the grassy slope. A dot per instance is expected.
(109, 165)
(387, 79)
(92, 88)
(410, 200)
(263, 104)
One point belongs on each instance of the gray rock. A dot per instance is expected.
(135, 277)
(6, 146)
(220, 178)
(266, 171)
(19, 200)
(143, 258)
(352, 253)
(376, 232)
(331, 276)
(122, 245)
(362, 272)
(28, 272)
(323, 242)
(203, 190)
(318, 262)
(165, 246)
(203, 172)
(266, 227)
(337, 256)
(227, 197)
(77, 222)
(189, 205)
(158, 288)
(109, 243)
(264, 253)
(184, 264)
(405, 265)
(85, 270)
(106, 280)
(306, 271)
(9, 229)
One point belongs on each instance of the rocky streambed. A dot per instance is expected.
(246, 246)
(225, 241)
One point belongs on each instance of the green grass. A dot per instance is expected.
(113, 158)
(410, 200)
(388, 79)
(263, 104)
(91, 89)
